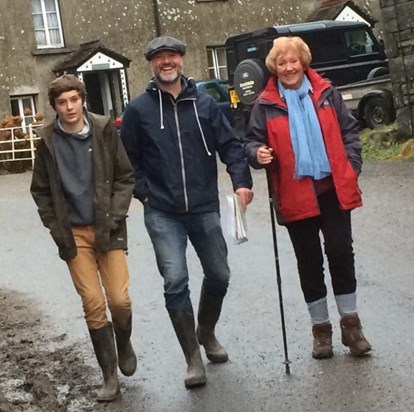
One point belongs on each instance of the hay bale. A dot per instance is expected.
(407, 150)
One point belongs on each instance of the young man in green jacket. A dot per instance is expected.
(82, 184)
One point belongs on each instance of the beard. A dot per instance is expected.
(171, 78)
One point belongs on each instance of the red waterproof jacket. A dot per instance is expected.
(295, 199)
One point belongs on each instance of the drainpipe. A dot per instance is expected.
(157, 18)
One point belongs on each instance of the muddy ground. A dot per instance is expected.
(38, 373)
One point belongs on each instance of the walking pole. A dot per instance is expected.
(278, 277)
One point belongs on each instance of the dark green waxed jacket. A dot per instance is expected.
(113, 182)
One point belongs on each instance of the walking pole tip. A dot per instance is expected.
(287, 366)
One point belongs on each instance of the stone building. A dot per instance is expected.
(399, 39)
(102, 42)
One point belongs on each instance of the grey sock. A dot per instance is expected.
(346, 303)
(318, 311)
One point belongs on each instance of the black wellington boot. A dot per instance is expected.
(208, 315)
(184, 326)
(104, 346)
(127, 361)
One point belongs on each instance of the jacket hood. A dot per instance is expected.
(189, 88)
(188, 92)
(96, 120)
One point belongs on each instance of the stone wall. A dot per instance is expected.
(125, 26)
(398, 23)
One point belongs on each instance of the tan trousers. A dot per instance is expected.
(91, 271)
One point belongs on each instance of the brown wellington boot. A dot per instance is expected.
(208, 315)
(352, 335)
(322, 341)
(104, 346)
(184, 326)
(127, 360)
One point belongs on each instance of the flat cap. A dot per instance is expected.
(163, 43)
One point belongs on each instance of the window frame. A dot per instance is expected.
(46, 29)
(362, 38)
(212, 56)
(21, 107)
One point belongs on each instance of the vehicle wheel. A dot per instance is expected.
(250, 78)
(378, 111)
(378, 72)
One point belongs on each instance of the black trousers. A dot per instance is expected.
(335, 225)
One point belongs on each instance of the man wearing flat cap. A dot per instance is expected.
(163, 43)
(172, 133)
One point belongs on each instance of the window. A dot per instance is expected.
(23, 106)
(359, 42)
(214, 90)
(217, 62)
(47, 24)
(326, 46)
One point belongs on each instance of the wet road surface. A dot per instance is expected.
(254, 379)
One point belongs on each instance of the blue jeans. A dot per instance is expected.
(169, 233)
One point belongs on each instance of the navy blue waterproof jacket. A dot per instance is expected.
(172, 145)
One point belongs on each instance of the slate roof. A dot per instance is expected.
(85, 52)
(330, 10)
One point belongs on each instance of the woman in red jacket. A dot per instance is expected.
(301, 130)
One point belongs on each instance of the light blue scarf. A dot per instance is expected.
(305, 133)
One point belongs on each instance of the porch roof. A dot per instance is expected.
(86, 52)
(331, 9)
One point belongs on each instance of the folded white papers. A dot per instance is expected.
(236, 219)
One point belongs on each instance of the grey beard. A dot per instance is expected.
(172, 81)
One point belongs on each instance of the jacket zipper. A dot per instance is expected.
(180, 146)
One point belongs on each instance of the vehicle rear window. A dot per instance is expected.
(326, 47)
(359, 42)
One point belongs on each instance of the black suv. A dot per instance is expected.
(343, 52)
